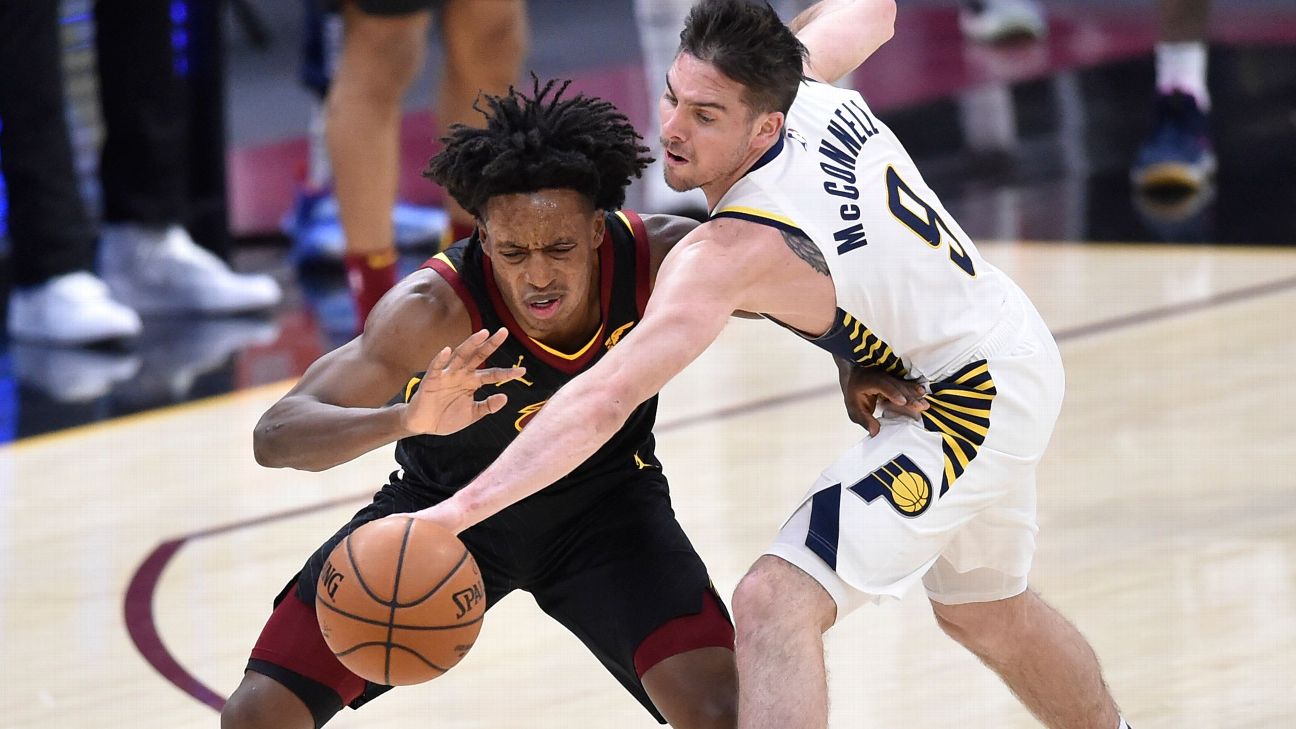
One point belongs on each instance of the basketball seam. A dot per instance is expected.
(391, 621)
(453, 570)
(397, 626)
(355, 569)
(371, 644)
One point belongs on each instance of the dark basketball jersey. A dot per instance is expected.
(446, 463)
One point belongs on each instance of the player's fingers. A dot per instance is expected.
(465, 354)
(492, 343)
(492, 404)
(894, 393)
(871, 424)
(488, 347)
(440, 361)
(496, 375)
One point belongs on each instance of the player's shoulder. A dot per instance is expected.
(729, 237)
(422, 307)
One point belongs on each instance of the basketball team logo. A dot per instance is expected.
(901, 483)
(616, 335)
(526, 412)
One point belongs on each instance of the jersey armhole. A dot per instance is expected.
(444, 268)
(643, 258)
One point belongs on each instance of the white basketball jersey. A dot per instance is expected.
(913, 294)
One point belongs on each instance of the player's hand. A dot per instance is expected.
(446, 514)
(444, 402)
(865, 386)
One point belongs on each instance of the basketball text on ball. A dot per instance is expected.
(332, 579)
(466, 599)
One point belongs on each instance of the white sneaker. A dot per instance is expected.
(992, 21)
(72, 309)
(69, 375)
(161, 270)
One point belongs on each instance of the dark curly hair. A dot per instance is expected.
(538, 142)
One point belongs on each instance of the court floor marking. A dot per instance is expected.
(138, 603)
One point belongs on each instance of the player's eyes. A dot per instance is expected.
(513, 255)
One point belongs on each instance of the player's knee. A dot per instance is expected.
(262, 703)
(487, 47)
(716, 710)
(755, 600)
(383, 59)
(982, 627)
(244, 710)
(774, 592)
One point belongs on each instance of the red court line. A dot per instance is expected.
(142, 628)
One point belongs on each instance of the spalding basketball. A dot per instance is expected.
(400, 601)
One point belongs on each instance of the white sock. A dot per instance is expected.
(1182, 67)
(319, 171)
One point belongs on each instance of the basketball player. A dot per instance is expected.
(821, 223)
(566, 277)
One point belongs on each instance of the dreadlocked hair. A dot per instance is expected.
(538, 142)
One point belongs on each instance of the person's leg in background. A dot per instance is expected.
(312, 224)
(381, 56)
(55, 296)
(485, 46)
(1178, 153)
(659, 23)
(997, 21)
(147, 256)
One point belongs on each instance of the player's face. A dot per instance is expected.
(708, 131)
(543, 247)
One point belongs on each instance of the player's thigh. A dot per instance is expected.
(629, 584)
(875, 521)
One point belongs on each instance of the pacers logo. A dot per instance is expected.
(901, 483)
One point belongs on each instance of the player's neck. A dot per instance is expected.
(716, 189)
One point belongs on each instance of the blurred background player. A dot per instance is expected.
(383, 46)
(147, 257)
(312, 224)
(996, 21)
(1178, 154)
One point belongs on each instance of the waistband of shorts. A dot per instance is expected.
(1002, 338)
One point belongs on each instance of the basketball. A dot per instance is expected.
(910, 492)
(400, 601)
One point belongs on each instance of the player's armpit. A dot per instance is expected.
(664, 231)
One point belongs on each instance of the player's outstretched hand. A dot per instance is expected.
(865, 386)
(445, 402)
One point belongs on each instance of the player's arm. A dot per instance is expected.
(664, 231)
(841, 34)
(340, 408)
(700, 285)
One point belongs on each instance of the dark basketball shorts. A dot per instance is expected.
(608, 561)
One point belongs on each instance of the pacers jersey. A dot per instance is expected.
(446, 463)
(914, 297)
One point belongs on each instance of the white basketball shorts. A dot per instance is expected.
(949, 499)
